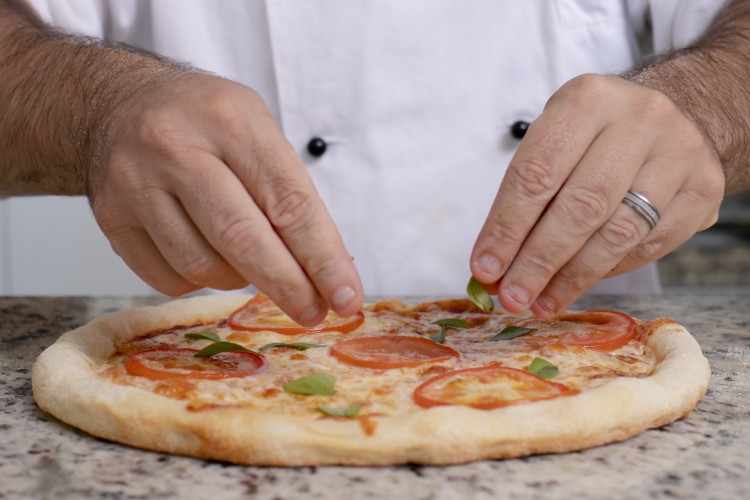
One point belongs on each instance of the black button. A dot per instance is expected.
(316, 147)
(518, 129)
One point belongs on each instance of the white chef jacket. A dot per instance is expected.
(415, 100)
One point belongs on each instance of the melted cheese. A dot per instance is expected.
(383, 392)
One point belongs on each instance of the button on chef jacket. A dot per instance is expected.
(413, 101)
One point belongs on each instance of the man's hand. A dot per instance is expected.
(187, 173)
(558, 224)
(679, 135)
(199, 188)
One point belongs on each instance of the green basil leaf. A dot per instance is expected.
(450, 323)
(479, 296)
(438, 337)
(444, 324)
(543, 368)
(218, 347)
(203, 335)
(511, 332)
(302, 346)
(340, 412)
(320, 384)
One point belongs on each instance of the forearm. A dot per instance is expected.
(59, 95)
(710, 82)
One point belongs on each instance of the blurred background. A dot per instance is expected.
(717, 259)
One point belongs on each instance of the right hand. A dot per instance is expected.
(197, 187)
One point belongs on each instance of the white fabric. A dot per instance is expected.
(414, 98)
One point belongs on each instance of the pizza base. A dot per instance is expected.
(65, 384)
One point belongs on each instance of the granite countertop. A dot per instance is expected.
(705, 455)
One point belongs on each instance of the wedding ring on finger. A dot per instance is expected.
(640, 204)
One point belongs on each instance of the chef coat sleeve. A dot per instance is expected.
(672, 23)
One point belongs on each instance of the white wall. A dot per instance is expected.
(52, 246)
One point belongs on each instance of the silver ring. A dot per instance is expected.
(640, 204)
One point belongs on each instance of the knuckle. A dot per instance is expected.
(620, 233)
(647, 251)
(162, 133)
(239, 239)
(575, 280)
(323, 268)
(239, 112)
(497, 230)
(584, 90)
(540, 265)
(533, 178)
(711, 188)
(294, 210)
(584, 206)
(289, 292)
(200, 270)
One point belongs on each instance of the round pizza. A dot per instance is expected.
(232, 378)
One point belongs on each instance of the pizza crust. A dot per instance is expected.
(66, 384)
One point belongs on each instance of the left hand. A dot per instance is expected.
(558, 224)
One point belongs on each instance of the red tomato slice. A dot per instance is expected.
(260, 313)
(393, 351)
(486, 388)
(599, 330)
(163, 363)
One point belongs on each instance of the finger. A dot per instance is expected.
(138, 251)
(283, 190)
(182, 246)
(552, 147)
(688, 212)
(619, 235)
(233, 224)
(586, 200)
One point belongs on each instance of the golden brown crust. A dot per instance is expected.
(65, 384)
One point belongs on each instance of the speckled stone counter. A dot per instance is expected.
(705, 455)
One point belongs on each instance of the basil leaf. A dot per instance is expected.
(219, 347)
(340, 412)
(302, 346)
(320, 384)
(450, 323)
(444, 324)
(203, 335)
(511, 332)
(543, 368)
(438, 337)
(479, 296)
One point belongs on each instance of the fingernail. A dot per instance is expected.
(311, 316)
(342, 297)
(546, 304)
(488, 264)
(518, 294)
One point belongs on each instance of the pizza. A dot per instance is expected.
(232, 378)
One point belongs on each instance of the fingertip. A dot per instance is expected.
(313, 316)
(346, 301)
(541, 313)
(514, 298)
(487, 268)
(545, 307)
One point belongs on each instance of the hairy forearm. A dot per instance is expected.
(59, 95)
(710, 82)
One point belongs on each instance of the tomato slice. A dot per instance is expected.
(392, 351)
(599, 330)
(260, 313)
(486, 388)
(163, 363)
